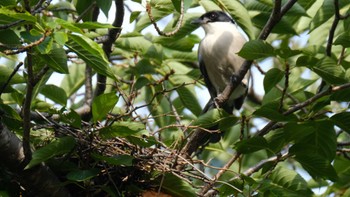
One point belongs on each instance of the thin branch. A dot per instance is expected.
(29, 46)
(10, 77)
(111, 37)
(207, 187)
(26, 111)
(286, 84)
(178, 24)
(299, 106)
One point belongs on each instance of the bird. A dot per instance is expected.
(219, 63)
(218, 59)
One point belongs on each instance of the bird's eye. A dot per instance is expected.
(212, 16)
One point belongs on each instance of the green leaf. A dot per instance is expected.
(184, 44)
(7, 3)
(256, 49)
(317, 166)
(272, 78)
(286, 182)
(342, 120)
(177, 5)
(189, 100)
(341, 96)
(60, 37)
(240, 15)
(209, 5)
(212, 118)
(10, 117)
(144, 20)
(5, 74)
(320, 138)
(104, 5)
(328, 69)
(251, 145)
(57, 147)
(68, 25)
(140, 44)
(118, 160)
(56, 59)
(186, 28)
(284, 26)
(134, 15)
(82, 7)
(72, 118)
(91, 53)
(102, 104)
(93, 25)
(343, 40)
(297, 131)
(175, 186)
(55, 93)
(9, 38)
(324, 14)
(271, 111)
(82, 175)
(122, 129)
(17, 15)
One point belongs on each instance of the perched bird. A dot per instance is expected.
(218, 59)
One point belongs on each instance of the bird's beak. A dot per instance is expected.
(197, 21)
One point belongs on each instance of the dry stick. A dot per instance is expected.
(178, 24)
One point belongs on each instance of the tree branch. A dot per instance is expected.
(178, 24)
(111, 37)
(38, 180)
(299, 106)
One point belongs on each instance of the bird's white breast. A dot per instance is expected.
(218, 50)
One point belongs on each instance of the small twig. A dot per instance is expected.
(286, 84)
(29, 46)
(10, 77)
(218, 175)
(178, 24)
(299, 106)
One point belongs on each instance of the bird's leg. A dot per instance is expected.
(224, 96)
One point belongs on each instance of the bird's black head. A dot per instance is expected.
(213, 16)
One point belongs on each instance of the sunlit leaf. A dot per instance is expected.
(55, 93)
(91, 53)
(102, 104)
(256, 49)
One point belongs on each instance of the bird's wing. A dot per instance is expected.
(207, 81)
